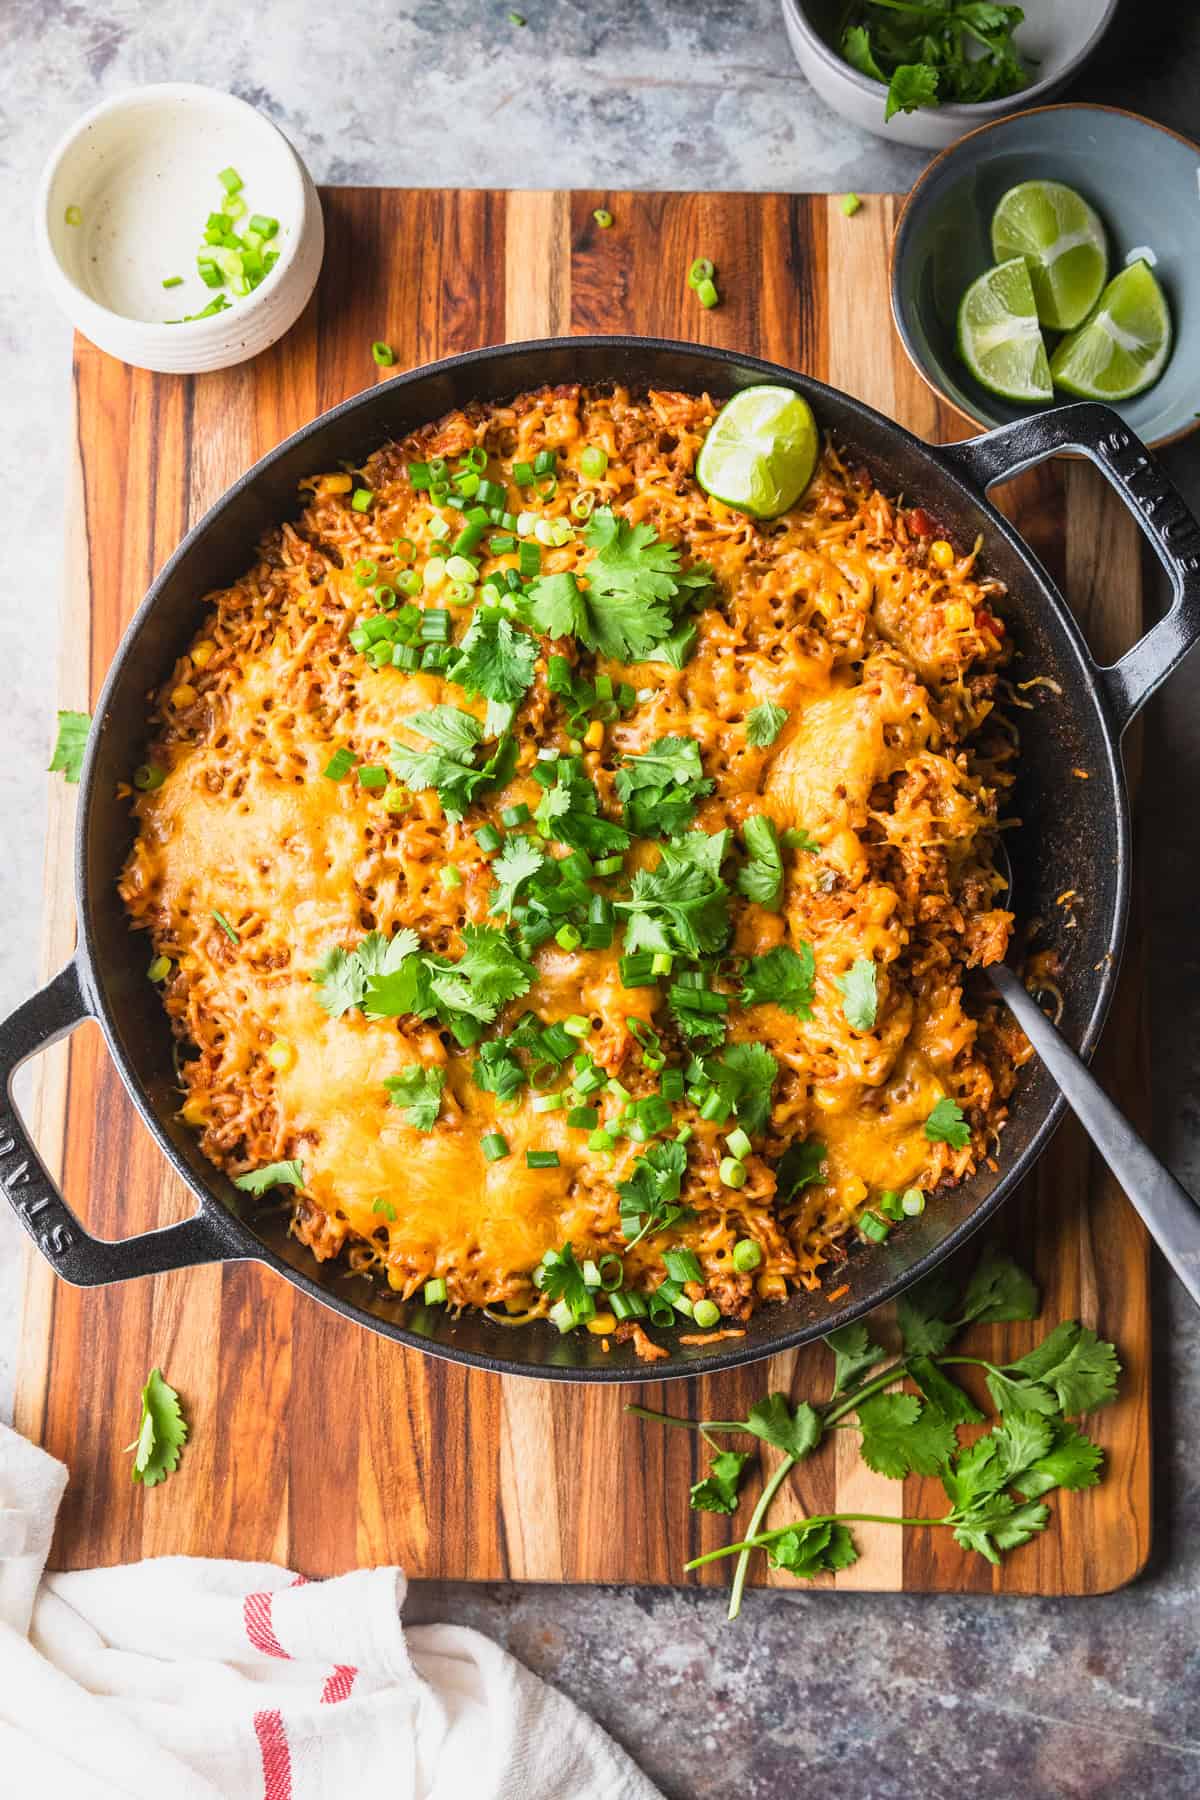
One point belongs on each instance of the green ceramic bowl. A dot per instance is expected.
(1143, 180)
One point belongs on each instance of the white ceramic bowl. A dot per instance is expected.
(1058, 36)
(140, 175)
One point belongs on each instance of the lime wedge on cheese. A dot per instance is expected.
(999, 337)
(1123, 347)
(1062, 240)
(760, 451)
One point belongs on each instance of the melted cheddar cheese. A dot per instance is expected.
(884, 661)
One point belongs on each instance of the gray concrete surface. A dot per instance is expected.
(856, 1697)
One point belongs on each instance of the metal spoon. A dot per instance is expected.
(1167, 1210)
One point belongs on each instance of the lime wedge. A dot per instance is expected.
(999, 338)
(760, 451)
(1125, 344)
(1062, 240)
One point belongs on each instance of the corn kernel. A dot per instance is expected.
(281, 1054)
(193, 1111)
(602, 1323)
(771, 1287)
(203, 653)
(593, 737)
(941, 554)
(336, 484)
(959, 615)
(183, 696)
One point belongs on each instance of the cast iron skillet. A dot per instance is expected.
(1075, 834)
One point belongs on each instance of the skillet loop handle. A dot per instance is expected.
(79, 1258)
(1128, 466)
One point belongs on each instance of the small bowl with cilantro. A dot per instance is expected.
(921, 72)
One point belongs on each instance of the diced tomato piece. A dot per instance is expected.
(986, 621)
(921, 522)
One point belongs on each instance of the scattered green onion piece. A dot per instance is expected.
(235, 207)
(522, 474)
(603, 217)
(562, 1316)
(435, 1291)
(74, 215)
(226, 927)
(583, 1118)
(912, 1202)
(590, 1082)
(716, 1109)
(611, 1281)
(732, 1172)
(467, 539)
(671, 1084)
(148, 776)
(494, 1146)
(872, 1227)
(747, 1255)
(637, 970)
(701, 270)
(610, 865)
(435, 625)
(361, 499)
(488, 838)
(372, 775)
(230, 180)
(568, 937)
(681, 1265)
(383, 353)
(738, 1144)
(601, 1140)
(541, 1159)
(515, 815)
(593, 462)
(170, 281)
(548, 1103)
(529, 559)
(159, 969)
(706, 1314)
(850, 205)
(339, 764)
(209, 273)
(577, 1026)
(662, 1313)
(265, 226)
(661, 962)
(707, 294)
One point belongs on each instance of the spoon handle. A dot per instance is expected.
(1167, 1210)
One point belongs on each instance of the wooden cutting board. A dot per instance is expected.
(313, 1442)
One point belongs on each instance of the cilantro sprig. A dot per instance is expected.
(162, 1432)
(994, 1486)
(930, 51)
(69, 746)
(387, 978)
(452, 767)
(661, 787)
(681, 906)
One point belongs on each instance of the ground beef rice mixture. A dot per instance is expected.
(530, 977)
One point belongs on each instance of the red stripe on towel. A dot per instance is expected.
(337, 1686)
(256, 1616)
(276, 1757)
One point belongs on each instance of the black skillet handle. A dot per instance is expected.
(1103, 437)
(78, 1257)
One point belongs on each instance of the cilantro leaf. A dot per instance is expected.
(745, 1075)
(162, 1432)
(703, 1029)
(494, 660)
(1076, 1365)
(517, 861)
(649, 1198)
(901, 1437)
(381, 955)
(921, 1314)
(570, 812)
(999, 1290)
(764, 724)
(681, 905)
(998, 1523)
(946, 1125)
(555, 606)
(560, 1276)
(783, 976)
(856, 48)
(419, 1091)
(450, 768)
(497, 1071)
(761, 879)
(487, 974)
(634, 585)
(1015, 1394)
(718, 1492)
(279, 1174)
(1071, 1461)
(660, 788)
(943, 1394)
(855, 1351)
(69, 746)
(798, 1431)
(341, 981)
(912, 85)
(798, 1167)
(860, 998)
(449, 727)
(813, 1548)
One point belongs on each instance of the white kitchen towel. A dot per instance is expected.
(191, 1678)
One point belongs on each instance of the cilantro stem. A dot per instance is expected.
(876, 1385)
(738, 1585)
(759, 1540)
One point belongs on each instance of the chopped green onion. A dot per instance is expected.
(627, 1303)
(522, 474)
(610, 865)
(706, 1314)
(488, 838)
(601, 1140)
(148, 776)
(361, 499)
(372, 775)
(383, 353)
(732, 1172)
(264, 225)
(545, 462)
(541, 1159)
(515, 815)
(170, 281)
(230, 180)
(850, 205)
(671, 1084)
(661, 1311)
(435, 1291)
(707, 294)
(74, 215)
(210, 275)
(716, 1109)
(738, 1144)
(339, 764)
(449, 876)
(494, 1146)
(747, 1255)
(662, 962)
(912, 1202)
(873, 1227)
(226, 927)
(577, 1026)
(548, 1103)
(682, 1265)
(701, 270)
(583, 1118)
(435, 625)
(637, 970)
(159, 969)
(529, 560)
(603, 217)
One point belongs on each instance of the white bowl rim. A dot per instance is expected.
(955, 109)
(216, 325)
